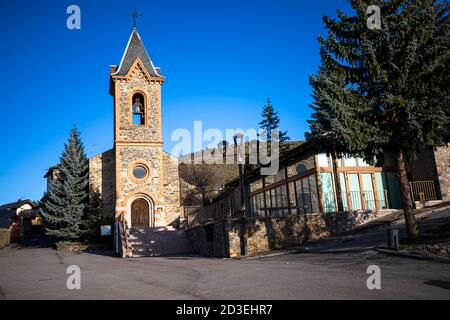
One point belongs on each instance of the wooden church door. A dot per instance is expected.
(140, 214)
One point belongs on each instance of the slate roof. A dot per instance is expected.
(135, 48)
(8, 214)
(50, 170)
(17, 204)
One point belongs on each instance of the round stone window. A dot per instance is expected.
(301, 168)
(140, 172)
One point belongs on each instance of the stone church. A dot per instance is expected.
(136, 179)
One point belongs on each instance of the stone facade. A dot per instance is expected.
(129, 188)
(171, 186)
(151, 89)
(442, 157)
(102, 181)
(306, 159)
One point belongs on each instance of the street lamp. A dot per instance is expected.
(223, 147)
(238, 140)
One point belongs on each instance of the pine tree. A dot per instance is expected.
(65, 206)
(335, 111)
(392, 89)
(270, 122)
(336, 125)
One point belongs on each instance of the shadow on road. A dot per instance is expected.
(439, 283)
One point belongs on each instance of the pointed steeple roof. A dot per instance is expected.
(136, 49)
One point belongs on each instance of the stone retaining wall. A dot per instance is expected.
(211, 239)
(4, 238)
(437, 249)
(224, 238)
(442, 156)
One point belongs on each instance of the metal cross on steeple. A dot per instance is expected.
(135, 15)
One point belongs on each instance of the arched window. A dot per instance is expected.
(301, 168)
(138, 109)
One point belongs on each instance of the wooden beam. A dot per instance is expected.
(347, 191)
(361, 191)
(375, 192)
(288, 198)
(318, 183)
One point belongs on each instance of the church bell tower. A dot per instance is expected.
(136, 88)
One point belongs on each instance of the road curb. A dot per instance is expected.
(259, 256)
(407, 254)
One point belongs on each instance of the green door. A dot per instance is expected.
(355, 194)
(343, 190)
(368, 193)
(327, 192)
(394, 190)
(382, 189)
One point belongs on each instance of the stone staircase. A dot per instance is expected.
(159, 241)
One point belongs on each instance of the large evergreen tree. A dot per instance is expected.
(64, 208)
(270, 122)
(335, 111)
(385, 90)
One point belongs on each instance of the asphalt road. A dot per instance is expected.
(40, 273)
(377, 235)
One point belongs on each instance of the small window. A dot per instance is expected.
(350, 162)
(139, 172)
(362, 163)
(138, 109)
(323, 160)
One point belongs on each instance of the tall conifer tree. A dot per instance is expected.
(385, 90)
(64, 208)
(271, 121)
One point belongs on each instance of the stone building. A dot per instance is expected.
(19, 220)
(137, 182)
(300, 202)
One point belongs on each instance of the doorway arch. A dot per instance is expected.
(141, 212)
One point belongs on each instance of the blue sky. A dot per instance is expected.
(222, 59)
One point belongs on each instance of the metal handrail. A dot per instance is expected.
(423, 190)
(371, 200)
(124, 237)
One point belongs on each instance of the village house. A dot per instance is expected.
(19, 220)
